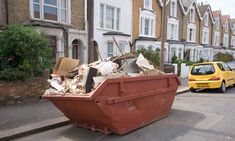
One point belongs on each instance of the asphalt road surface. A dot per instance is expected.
(203, 116)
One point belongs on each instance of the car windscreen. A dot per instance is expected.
(203, 69)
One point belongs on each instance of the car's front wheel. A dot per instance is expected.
(222, 88)
(193, 90)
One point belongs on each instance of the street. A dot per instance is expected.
(203, 116)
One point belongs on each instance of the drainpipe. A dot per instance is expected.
(163, 36)
(7, 12)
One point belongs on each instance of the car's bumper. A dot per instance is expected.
(204, 84)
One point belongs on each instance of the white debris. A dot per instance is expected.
(143, 62)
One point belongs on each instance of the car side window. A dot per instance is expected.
(227, 68)
(221, 66)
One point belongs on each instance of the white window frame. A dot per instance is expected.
(217, 42)
(192, 15)
(149, 6)
(173, 12)
(146, 15)
(41, 3)
(110, 54)
(226, 27)
(206, 19)
(217, 24)
(173, 22)
(205, 36)
(193, 27)
(225, 41)
(117, 17)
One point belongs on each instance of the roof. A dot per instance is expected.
(216, 13)
(187, 4)
(232, 21)
(225, 18)
(203, 9)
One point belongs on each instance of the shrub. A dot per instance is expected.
(23, 52)
(226, 57)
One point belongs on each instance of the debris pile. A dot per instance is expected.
(69, 77)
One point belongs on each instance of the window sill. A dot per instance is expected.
(49, 21)
(106, 29)
(146, 36)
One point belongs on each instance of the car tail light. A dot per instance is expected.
(191, 79)
(214, 79)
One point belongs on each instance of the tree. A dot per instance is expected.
(24, 52)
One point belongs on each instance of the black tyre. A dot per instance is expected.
(222, 88)
(193, 90)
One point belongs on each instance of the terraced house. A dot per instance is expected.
(232, 36)
(174, 21)
(206, 32)
(191, 30)
(147, 21)
(218, 31)
(62, 20)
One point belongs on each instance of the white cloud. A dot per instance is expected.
(226, 6)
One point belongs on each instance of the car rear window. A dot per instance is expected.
(203, 69)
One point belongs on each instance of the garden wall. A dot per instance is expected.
(14, 92)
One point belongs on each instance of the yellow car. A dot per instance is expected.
(211, 75)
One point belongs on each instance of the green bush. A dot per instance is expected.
(24, 52)
(225, 57)
(153, 56)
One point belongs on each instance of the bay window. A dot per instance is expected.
(110, 17)
(51, 10)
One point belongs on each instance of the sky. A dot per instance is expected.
(226, 6)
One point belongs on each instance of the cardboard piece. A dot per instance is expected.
(65, 65)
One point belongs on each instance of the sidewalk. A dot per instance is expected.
(21, 120)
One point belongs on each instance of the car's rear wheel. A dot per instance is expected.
(222, 88)
(193, 90)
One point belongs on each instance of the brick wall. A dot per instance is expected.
(18, 11)
(137, 4)
(77, 14)
(2, 13)
(22, 91)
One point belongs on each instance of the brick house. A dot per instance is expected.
(174, 21)
(218, 31)
(64, 21)
(191, 31)
(206, 31)
(146, 29)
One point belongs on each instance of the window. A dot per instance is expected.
(110, 17)
(225, 42)
(226, 27)
(192, 15)
(191, 33)
(173, 8)
(36, 9)
(148, 4)
(122, 47)
(52, 10)
(217, 24)
(102, 15)
(233, 41)
(204, 69)
(118, 19)
(52, 44)
(147, 26)
(206, 19)
(110, 49)
(217, 39)
(173, 31)
(205, 36)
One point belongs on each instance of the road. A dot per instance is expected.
(203, 116)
